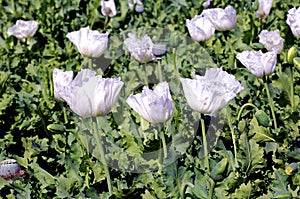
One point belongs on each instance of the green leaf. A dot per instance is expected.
(280, 186)
(244, 191)
(147, 195)
(218, 170)
(250, 155)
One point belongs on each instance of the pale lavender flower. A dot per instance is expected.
(258, 63)
(200, 28)
(271, 40)
(139, 7)
(293, 20)
(264, 7)
(108, 8)
(207, 3)
(155, 106)
(223, 19)
(61, 79)
(90, 94)
(23, 29)
(140, 49)
(211, 92)
(90, 43)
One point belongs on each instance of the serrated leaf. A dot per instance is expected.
(280, 185)
(250, 155)
(244, 191)
(260, 133)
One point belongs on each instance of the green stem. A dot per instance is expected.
(106, 22)
(242, 108)
(233, 138)
(211, 189)
(163, 139)
(271, 104)
(206, 162)
(292, 89)
(159, 71)
(65, 113)
(174, 62)
(98, 138)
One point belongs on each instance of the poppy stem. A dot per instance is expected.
(98, 138)
(206, 162)
(292, 88)
(163, 139)
(232, 137)
(159, 71)
(242, 108)
(271, 104)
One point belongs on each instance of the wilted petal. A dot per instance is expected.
(211, 92)
(293, 20)
(258, 63)
(200, 28)
(223, 19)
(140, 49)
(23, 29)
(264, 7)
(90, 43)
(271, 40)
(154, 106)
(108, 8)
(61, 79)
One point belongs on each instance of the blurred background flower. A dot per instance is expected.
(137, 5)
(211, 92)
(108, 8)
(293, 20)
(155, 106)
(61, 79)
(271, 40)
(23, 29)
(140, 49)
(90, 43)
(207, 3)
(90, 94)
(223, 19)
(258, 63)
(200, 28)
(264, 7)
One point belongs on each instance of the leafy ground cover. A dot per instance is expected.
(248, 157)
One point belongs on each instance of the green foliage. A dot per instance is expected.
(58, 151)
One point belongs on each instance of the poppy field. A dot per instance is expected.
(150, 99)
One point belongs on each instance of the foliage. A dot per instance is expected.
(57, 149)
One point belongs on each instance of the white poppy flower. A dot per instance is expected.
(90, 94)
(61, 79)
(140, 49)
(271, 40)
(23, 29)
(264, 7)
(139, 7)
(90, 43)
(155, 106)
(200, 28)
(293, 20)
(223, 19)
(207, 3)
(211, 92)
(258, 63)
(108, 8)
